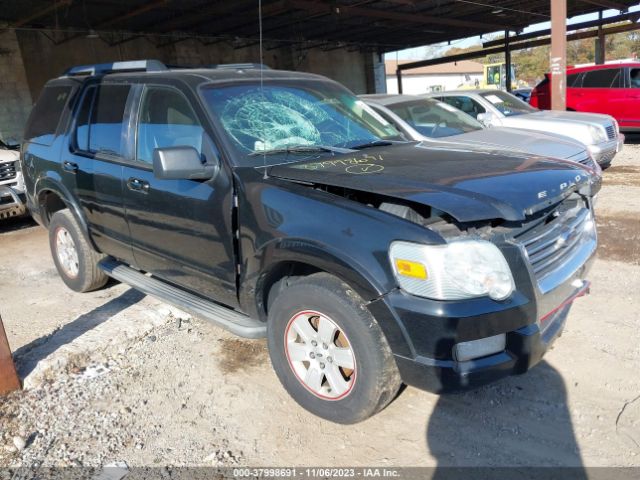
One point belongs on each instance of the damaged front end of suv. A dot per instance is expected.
(474, 257)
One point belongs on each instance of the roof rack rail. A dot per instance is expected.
(128, 66)
(240, 66)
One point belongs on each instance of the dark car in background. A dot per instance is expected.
(278, 204)
(613, 89)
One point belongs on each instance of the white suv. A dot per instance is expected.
(12, 198)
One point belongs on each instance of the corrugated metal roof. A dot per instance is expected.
(378, 25)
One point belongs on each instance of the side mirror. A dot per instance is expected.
(485, 118)
(181, 163)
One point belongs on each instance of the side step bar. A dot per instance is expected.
(235, 322)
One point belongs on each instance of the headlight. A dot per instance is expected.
(598, 134)
(458, 270)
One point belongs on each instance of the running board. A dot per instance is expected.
(237, 323)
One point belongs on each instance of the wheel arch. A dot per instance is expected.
(293, 264)
(52, 196)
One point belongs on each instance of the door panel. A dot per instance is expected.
(631, 114)
(181, 230)
(98, 172)
(601, 92)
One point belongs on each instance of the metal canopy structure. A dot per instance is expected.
(375, 25)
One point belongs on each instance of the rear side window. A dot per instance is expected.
(99, 122)
(466, 104)
(606, 78)
(45, 116)
(635, 78)
(572, 80)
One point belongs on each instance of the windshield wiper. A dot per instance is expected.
(376, 143)
(301, 149)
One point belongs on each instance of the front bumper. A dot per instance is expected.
(603, 153)
(12, 203)
(434, 328)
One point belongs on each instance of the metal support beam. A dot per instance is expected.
(147, 7)
(632, 17)
(600, 45)
(399, 75)
(9, 380)
(386, 15)
(41, 13)
(558, 57)
(518, 46)
(607, 4)
(507, 61)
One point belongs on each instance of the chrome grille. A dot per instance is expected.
(611, 132)
(559, 244)
(7, 171)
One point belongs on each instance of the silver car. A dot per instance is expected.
(495, 108)
(425, 119)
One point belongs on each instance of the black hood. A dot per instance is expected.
(467, 183)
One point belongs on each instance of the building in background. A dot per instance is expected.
(448, 76)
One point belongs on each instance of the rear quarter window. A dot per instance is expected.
(45, 116)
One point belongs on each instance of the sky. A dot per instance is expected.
(418, 52)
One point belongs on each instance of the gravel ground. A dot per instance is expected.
(117, 377)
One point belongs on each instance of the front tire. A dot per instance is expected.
(329, 352)
(75, 260)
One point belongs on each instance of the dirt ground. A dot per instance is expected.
(115, 376)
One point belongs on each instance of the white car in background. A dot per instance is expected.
(425, 119)
(12, 195)
(495, 108)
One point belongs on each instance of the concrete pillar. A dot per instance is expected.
(379, 74)
(15, 97)
(507, 60)
(558, 58)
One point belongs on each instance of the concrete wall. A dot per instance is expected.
(15, 96)
(43, 59)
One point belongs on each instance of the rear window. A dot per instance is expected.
(605, 78)
(45, 116)
(99, 122)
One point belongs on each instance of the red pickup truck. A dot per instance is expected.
(613, 89)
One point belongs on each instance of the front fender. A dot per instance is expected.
(369, 281)
(284, 223)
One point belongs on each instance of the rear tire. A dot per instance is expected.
(349, 374)
(75, 260)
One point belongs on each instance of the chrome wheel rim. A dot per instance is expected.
(320, 355)
(67, 253)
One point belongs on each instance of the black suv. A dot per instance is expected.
(278, 204)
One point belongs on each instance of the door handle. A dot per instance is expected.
(138, 185)
(70, 167)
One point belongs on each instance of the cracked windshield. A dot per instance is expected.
(283, 121)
